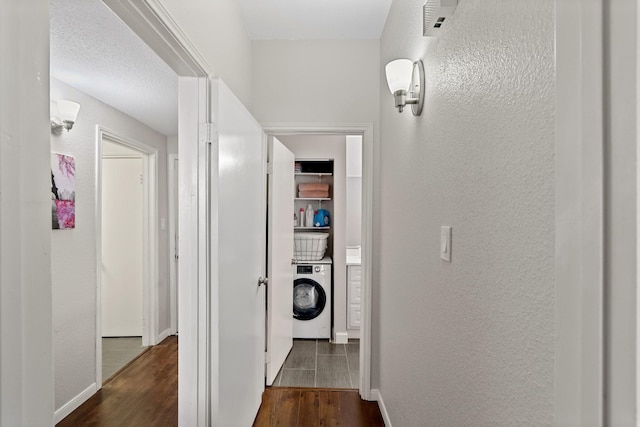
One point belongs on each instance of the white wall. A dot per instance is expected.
(73, 255)
(316, 81)
(330, 147)
(217, 30)
(26, 371)
(354, 190)
(469, 342)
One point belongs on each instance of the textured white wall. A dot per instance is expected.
(73, 252)
(330, 147)
(217, 30)
(26, 374)
(469, 342)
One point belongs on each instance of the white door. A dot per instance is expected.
(238, 246)
(279, 253)
(122, 247)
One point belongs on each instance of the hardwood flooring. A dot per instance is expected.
(145, 393)
(307, 407)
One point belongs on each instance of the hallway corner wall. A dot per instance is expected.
(73, 251)
(471, 341)
(26, 369)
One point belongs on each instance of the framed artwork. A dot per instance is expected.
(63, 191)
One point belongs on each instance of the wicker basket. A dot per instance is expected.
(309, 246)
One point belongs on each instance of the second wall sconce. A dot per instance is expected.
(68, 111)
(406, 82)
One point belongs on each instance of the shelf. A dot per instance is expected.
(313, 174)
(311, 228)
(317, 199)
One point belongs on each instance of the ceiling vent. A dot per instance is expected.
(436, 14)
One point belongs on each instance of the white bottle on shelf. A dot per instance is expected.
(309, 215)
(301, 218)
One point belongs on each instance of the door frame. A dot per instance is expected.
(580, 215)
(172, 180)
(366, 130)
(149, 239)
(156, 27)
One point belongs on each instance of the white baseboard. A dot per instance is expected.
(164, 334)
(74, 403)
(375, 395)
(341, 338)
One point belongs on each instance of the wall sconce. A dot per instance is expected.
(405, 77)
(68, 111)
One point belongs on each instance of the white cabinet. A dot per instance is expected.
(354, 291)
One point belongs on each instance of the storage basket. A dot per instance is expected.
(309, 246)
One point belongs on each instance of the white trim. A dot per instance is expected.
(74, 403)
(156, 27)
(172, 180)
(150, 239)
(164, 335)
(341, 338)
(579, 214)
(376, 396)
(366, 130)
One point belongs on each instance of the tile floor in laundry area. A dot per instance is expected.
(318, 363)
(117, 352)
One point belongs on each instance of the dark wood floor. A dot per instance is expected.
(307, 407)
(145, 393)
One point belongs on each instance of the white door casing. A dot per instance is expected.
(237, 247)
(279, 255)
(149, 237)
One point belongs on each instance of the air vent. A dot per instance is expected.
(436, 14)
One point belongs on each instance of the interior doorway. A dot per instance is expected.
(126, 251)
(357, 352)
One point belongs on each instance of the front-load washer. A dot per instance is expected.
(312, 299)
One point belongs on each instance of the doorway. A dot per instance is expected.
(126, 251)
(356, 352)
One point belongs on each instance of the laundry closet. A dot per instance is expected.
(324, 231)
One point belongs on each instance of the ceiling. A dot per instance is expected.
(95, 52)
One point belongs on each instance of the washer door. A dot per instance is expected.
(309, 299)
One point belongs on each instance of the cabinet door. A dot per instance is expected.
(354, 291)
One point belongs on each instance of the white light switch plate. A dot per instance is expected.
(445, 243)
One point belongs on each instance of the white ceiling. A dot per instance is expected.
(95, 52)
(314, 20)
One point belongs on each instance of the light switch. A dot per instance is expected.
(445, 243)
(163, 224)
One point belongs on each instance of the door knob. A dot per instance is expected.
(262, 281)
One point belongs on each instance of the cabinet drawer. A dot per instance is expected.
(354, 284)
(353, 316)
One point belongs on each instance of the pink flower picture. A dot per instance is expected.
(63, 191)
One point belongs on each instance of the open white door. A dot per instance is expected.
(280, 253)
(237, 248)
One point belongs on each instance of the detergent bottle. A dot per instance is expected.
(309, 216)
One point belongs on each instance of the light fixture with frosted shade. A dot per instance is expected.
(68, 112)
(406, 80)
